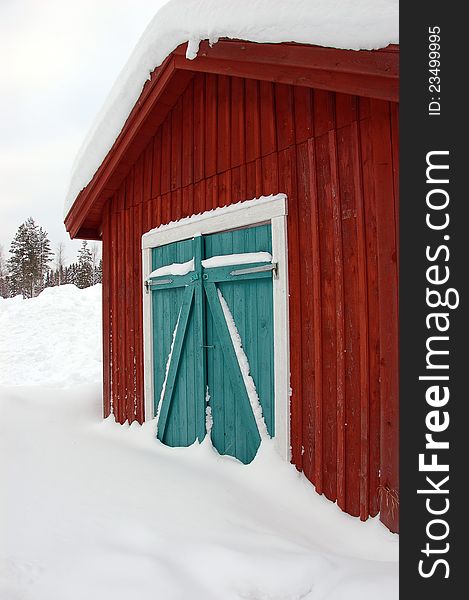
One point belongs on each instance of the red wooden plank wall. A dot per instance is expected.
(335, 156)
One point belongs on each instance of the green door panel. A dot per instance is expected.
(180, 412)
(202, 349)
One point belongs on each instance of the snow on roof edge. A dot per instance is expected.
(344, 24)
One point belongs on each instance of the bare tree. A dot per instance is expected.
(60, 261)
(95, 255)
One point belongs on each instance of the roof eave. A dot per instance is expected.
(366, 73)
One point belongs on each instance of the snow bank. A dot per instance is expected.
(92, 509)
(54, 339)
(348, 24)
(96, 510)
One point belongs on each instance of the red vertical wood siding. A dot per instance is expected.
(335, 156)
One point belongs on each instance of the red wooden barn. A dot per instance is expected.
(308, 273)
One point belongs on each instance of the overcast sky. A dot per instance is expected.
(58, 61)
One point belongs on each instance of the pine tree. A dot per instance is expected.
(30, 260)
(51, 278)
(84, 270)
(44, 258)
(98, 272)
(70, 274)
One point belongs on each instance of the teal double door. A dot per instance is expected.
(213, 340)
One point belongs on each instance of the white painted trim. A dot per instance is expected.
(281, 337)
(234, 216)
(147, 340)
(271, 209)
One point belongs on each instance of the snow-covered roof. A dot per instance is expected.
(345, 24)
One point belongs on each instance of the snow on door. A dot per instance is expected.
(212, 309)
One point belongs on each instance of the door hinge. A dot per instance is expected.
(269, 267)
(149, 283)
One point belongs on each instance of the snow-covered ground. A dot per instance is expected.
(90, 509)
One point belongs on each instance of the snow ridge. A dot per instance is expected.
(168, 363)
(225, 260)
(245, 369)
(174, 269)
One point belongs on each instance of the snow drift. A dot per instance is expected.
(92, 509)
(346, 24)
(54, 339)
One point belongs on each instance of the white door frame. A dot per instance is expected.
(267, 209)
